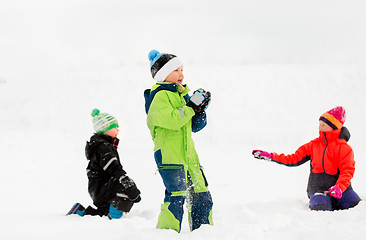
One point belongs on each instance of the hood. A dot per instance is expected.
(342, 133)
(345, 134)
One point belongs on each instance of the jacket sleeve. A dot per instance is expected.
(199, 121)
(109, 161)
(346, 167)
(163, 114)
(301, 156)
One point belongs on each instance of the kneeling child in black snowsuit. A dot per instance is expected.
(111, 190)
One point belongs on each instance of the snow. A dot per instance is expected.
(273, 67)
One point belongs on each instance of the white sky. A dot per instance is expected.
(49, 35)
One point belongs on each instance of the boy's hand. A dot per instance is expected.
(130, 189)
(199, 101)
(262, 155)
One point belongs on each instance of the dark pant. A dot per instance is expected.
(118, 203)
(100, 211)
(322, 201)
(111, 192)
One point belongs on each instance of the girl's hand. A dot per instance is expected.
(335, 192)
(262, 155)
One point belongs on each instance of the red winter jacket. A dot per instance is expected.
(331, 158)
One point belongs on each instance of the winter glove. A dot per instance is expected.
(199, 101)
(130, 189)
(114, 213)
(262, 155)
(335, 192)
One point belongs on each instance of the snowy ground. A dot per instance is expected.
(271, 71)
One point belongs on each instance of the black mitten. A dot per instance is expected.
(199, 101)
(130, 189)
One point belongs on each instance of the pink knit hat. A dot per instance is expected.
(334, 117)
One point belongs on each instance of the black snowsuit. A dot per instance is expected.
(105, 172)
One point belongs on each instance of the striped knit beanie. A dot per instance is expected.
(335, 117)
(162, 64)
(103, 122)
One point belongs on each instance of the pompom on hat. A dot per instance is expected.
(103, 122)
(162, 64)
(335, 117)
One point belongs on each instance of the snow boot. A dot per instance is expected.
(77, 209)
(114, 213)
(167, 220)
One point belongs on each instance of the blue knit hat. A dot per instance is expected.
(103, 122)
(162, 64)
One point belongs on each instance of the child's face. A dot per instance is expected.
(176, 76)
(323, 127)
(112, 132)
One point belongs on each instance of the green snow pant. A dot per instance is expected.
(184, 182)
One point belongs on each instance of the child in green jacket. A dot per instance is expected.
(171, 117)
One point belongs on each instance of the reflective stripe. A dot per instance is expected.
(181, 112)
(121, 178)
(109, 163)
(122, 195)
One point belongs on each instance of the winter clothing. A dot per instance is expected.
(77, 209)
(114, 213)
(162, 64)
(105, 174)
(103, 122)
(111, 190)
(325, 202)
(111, 212)
(335, 117)
(199, 101)
(332, 162)
(335, 192)
(262, 155)
(171, 123)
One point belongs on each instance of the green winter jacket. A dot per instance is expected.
(170, 124)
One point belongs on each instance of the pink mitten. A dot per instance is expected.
(335, 192)
(262, 155)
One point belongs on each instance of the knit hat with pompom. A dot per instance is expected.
(335, 117)
(162, 64)
(103, 122)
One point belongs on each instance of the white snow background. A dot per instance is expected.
(273, 67)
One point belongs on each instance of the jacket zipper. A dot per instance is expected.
(325, 136)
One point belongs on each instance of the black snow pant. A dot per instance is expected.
(104, 194)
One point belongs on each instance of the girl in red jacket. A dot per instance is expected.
(332, 164)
